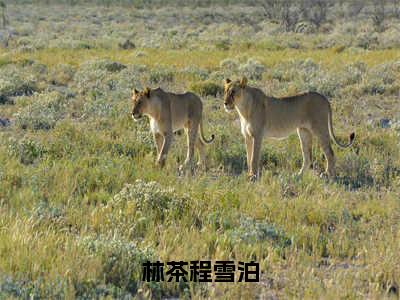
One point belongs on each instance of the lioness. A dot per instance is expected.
(168, 113)
(262, 116)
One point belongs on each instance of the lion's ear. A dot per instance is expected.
(147, 92)
(243, 82)
(227, 81)
(135, 91)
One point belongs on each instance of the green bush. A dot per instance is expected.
(97, 77)
(207, 88)
(15, 82)
(224, 44)
(44, 111)
(62, 74)
(151, 198)
(160, 75)
(121, 260)
(252, 69)
(26, 150)
(251, 231)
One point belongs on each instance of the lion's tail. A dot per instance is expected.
(203, 139)
(332, 134)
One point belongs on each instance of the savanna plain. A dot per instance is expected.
(83, 205)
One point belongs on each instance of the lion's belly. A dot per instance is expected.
(276, 128)
(279, 132)
(275, 132)
(154, 126)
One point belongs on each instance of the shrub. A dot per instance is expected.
(121, 260)
(160, 75)
(26, 150)
(381, 79)
(324, 84)
(32, 289)
(305, 27)
(250, 231)
(127, 45)
(367, 41)
(306, 75)
(224, 44)
(45, 212)
(99, 108)
(229, 64)
(207, 88)
(62, 74)
(97, 77)
(14, 82)
(195, 73)
(386, 72)
(151, 198)
(252, 69)
(354, 73)
(103, 64)
(356, 171)
(43, 113)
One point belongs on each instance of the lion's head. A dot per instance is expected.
(232, 92)
(140, 102)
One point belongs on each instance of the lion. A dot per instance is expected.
(169, 113)
(262, 116)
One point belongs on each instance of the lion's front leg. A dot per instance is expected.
(158, 141)
(166, 143)
(255, 157)
(249, 143)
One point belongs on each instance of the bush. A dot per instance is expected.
(250, 231)
(207, 88)
(62, 74)
(354, 73)
(14, 82)
(45, 212)
(100, 108)
(121, 260)
(252, 69)
(151, 198)
(127, 45)
(367, 41)
(161, 75)
(195, 73)
(306, 75)
(43, 113)
(104, 64)
(356, 171)
(223, 44)
(381, 79)
(97, 77)
(32, 289)
(26, 150)
(229, 64)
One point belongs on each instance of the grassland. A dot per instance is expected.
(82, 204)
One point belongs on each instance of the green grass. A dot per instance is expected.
(208, 59)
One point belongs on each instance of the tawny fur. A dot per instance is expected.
(261, 116)
(169, 112)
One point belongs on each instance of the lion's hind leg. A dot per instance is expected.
(191, 134)
(202, 154)
(325, 141)
(305, 137)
